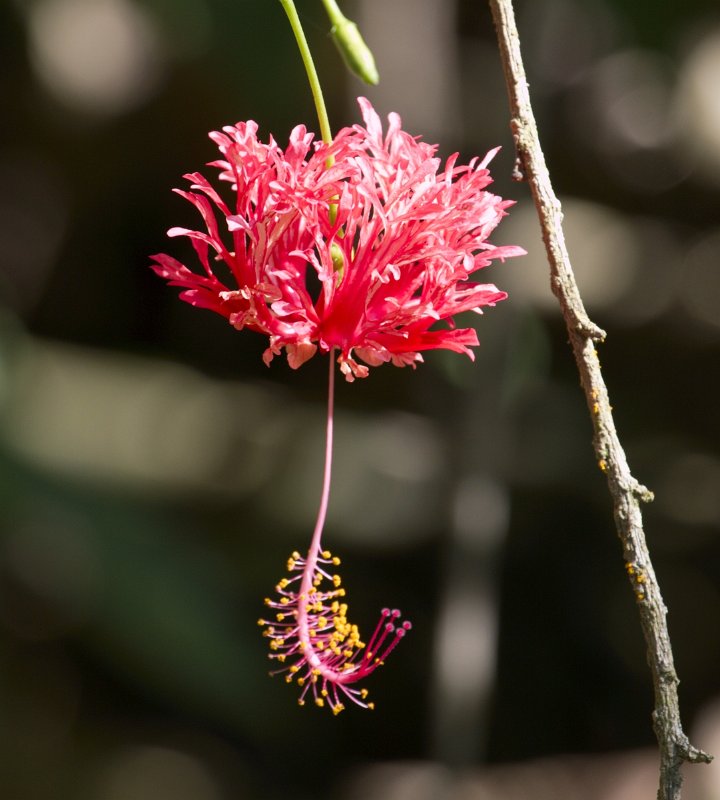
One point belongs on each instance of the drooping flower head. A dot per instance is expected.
(365, 245)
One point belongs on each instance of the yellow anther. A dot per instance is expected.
(261, 622)
(288, 678)
(363, 693)
(280, 657)
(336, 580)
(279, 617)
(301, 702)
(301, 681)
(371, 706)
(326, 554)
(336, 561)
(324, 692)
(338, 708)
(319, 702)
(283, 583)
(603, 465)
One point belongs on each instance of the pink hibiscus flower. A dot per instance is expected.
(365, 245)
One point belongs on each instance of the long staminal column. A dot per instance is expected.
(310, 633)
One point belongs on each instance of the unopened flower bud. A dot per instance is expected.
(356, 54)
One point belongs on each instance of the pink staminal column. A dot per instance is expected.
(310, 633)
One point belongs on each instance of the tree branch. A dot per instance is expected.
(627, 494)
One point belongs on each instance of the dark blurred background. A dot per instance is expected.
(155, 474)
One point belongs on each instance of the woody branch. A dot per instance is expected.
(626, 492)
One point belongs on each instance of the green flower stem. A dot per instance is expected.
(325, 132)
(313, 79)
(333, 11)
